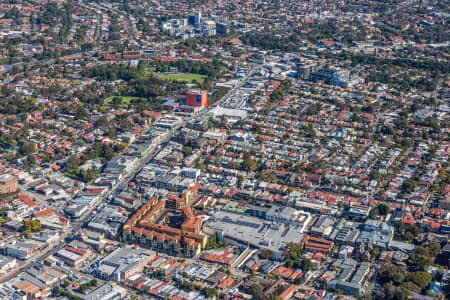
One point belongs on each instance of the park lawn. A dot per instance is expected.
(149, 71)
(125, 99)
(189, 77)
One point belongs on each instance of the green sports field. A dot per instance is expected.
(188, 77)
(125, 99)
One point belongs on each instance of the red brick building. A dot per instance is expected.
(8, 184)
(315, 244)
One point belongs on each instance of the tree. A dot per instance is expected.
(447, 287)
(56, 291)
(116, 101)
(421, 278)
(391, 292)
(213, 242)
(83, 288)
(33, 225)
(374, 253)
(411, 287)
(421, 258)
(93, 282)
(27, 148)
(383, 209)
(265, 254)
(391, 273)
(292, 255)
(402, 230)
(379, 210)
(187, 151)
(210, 292)
(250, 164)
(30, 161)
(30, 226)
(307, 265)
(434, 248)
(86, 286)
(257, 292)
(300, 280)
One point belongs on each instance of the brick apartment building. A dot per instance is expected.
(8, 184)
